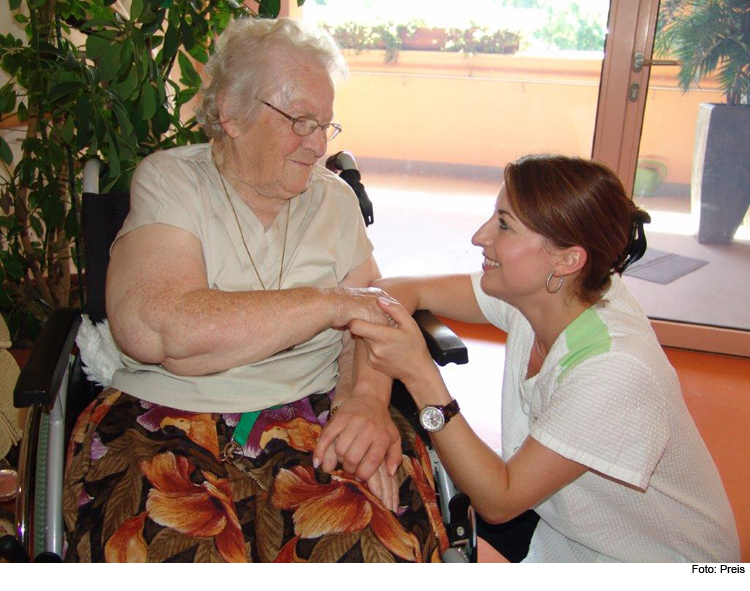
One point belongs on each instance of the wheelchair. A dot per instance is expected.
(55, 388)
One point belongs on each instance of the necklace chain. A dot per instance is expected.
(538, 348)
(242, 234)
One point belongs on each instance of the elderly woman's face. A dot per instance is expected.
(276, 161)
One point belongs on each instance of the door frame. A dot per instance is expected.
(619, 122)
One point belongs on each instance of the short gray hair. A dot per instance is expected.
(240, 68)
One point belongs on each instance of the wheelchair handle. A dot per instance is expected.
(341, 161)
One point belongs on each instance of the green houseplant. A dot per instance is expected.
(88, 81)
(713, 37)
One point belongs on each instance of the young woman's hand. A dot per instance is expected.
(398, 350)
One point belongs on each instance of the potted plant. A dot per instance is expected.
(89, 80)
(707, 37)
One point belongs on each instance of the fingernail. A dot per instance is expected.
(385, 301)
(316, 463)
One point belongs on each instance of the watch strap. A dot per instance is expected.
(450, 410)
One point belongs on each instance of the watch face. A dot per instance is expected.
(431, 419)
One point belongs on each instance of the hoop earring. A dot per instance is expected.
(559, 285)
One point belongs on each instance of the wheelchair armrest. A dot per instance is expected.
(42, 375)
(444, 346)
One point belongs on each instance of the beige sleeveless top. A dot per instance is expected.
(326, 239)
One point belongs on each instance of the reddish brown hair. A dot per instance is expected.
(575, 202)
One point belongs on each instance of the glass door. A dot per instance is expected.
(692, 174)
(441, 96)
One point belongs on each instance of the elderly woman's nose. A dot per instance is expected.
(317, 141)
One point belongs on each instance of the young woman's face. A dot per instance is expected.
(516, 262)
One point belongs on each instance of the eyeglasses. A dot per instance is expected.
(304, 126)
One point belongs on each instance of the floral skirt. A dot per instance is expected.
(144, 483)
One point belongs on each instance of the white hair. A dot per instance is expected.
(242, 67)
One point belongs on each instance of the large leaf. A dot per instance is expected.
(122, 119)
(9, 100)
(126, 57)
(136, 9)
(127, 85)
(171, 37)
(150, 27)
(96, 23)
(6, 154)
(188, 40)
(161, 120)
(269, 8)
(97, 42)
(67, 131)
(109, 64)
(63, 89)
(189, 76)
(11, 266)
(147, 104)
(332, 547)
(168, 543)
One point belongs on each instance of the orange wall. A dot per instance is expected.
(489, 109)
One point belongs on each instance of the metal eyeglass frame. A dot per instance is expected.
(335, 126)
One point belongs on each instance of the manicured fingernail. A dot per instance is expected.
(316, 463)
(385, 301)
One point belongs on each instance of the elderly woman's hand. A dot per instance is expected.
(358, 303)
(398, 351)
(362, 436)
(385, 487)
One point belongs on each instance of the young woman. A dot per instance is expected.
(596, 436)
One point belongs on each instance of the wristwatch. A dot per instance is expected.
(434, 418)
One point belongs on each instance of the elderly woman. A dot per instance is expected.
(596, 436)
(229, 291)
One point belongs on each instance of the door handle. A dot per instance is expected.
(639, 60)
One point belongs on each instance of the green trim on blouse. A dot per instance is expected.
(586, 337)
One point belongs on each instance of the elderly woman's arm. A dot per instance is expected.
(162, 311)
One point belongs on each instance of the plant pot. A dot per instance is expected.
(424, 39)
(720, 187)
(648, 177)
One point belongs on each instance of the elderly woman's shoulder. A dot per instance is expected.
(178, 156)
(332, 184)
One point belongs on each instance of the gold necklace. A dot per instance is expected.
(242, 234)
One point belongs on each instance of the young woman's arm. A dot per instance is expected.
(498, 490)
(451, 296)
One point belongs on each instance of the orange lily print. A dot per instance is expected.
(342, 506)
(298, 433)
(420, 470)
(200, 428)
(127, 544)
(201, 510)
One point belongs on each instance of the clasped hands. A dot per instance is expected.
(362, 436)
